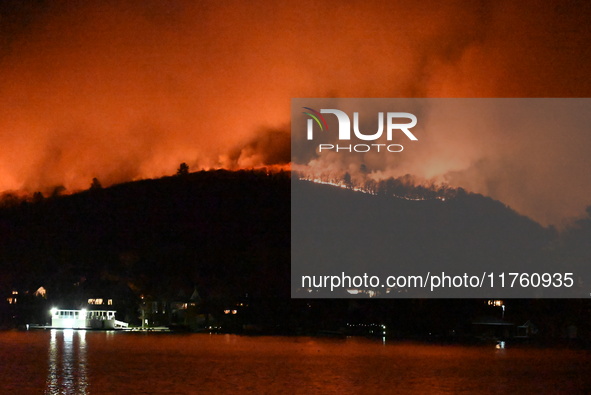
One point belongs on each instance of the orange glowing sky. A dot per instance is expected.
(122, 90)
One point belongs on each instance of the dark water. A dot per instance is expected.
(79, 362)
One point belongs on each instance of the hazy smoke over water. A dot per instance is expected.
(122, 90)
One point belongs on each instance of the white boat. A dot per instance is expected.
(85, 319)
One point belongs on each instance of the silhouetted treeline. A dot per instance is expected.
(405, 187)
(225, 232)
(228, 234)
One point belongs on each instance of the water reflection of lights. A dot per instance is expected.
(66, 371)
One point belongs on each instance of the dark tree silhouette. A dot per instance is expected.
(183, 169)
(347, 180)
(95, 185)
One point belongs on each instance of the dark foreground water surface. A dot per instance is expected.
(83, 362)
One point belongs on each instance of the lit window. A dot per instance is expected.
(110, 302)
(41, 292)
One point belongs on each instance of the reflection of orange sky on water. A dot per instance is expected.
(127, 90)
(107, 362)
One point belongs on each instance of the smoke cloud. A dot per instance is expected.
(122, 90)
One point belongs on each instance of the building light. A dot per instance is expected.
(226, 311)
(234, 311)
(110, 302)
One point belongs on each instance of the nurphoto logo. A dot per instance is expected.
(393, 124)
